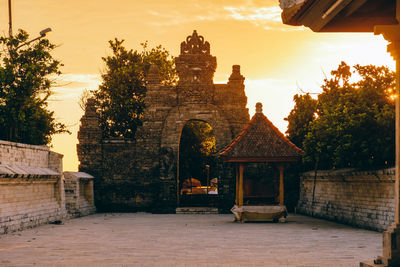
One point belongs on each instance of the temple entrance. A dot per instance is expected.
(197, 168)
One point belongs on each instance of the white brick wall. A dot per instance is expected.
(79, 197)
(363, 199)
(31, 186)
(23, 154)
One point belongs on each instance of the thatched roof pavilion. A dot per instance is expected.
(260, 142)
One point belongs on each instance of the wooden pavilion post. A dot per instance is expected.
(241, 170)
(281, 185)
(237, 184)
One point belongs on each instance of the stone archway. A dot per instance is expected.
(141, 174)
(180, 115)
(177, 119)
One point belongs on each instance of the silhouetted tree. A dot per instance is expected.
(300, 117)
(120, 97)
(25, 86)
(354, 122)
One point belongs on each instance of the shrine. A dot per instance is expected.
(262, 198)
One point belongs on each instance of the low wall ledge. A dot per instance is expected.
(348, 173)
(22, 145)
(81, 175)
(15, 171)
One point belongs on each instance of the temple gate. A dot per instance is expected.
(143, 174)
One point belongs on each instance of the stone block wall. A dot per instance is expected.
(79, 198)
(127, 181)
(31, 187)
(363, 199)
(23, 154)
(143, 174)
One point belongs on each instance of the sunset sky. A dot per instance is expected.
(277, 60)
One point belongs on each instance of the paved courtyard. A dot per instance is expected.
(140, 239)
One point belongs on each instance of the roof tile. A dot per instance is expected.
(260, 141)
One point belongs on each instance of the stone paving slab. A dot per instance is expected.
(141, 239)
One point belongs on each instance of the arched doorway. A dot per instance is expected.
(171, 134)
(197, 167)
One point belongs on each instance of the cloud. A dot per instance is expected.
(187, 13)
(268, 17)
(254, 14)
(71, 86)
(265, 14)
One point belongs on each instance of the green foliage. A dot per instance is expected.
(160, 57)
(120, 98)
(25, 86)
(196, 149)
(300, 118)
(354, 123)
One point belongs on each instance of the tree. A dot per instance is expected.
(120, 97)
(354, 122)
(197, 149)
(25, 86)
(300, 117)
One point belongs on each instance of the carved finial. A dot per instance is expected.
(236, 70)
(153, 69)
(236, 75)
(153, 76)
(195, 44)
(90, 108)
(259, 107)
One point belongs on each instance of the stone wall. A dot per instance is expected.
(79, 198)
(31, 187)
(23, 154)
(143, 174)
(363, 199)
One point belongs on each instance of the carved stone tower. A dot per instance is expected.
(195, 67)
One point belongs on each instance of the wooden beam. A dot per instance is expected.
(260, 160)
(320, 13)
(354, 6)
(281, 185)
(237, 184)
(241, 170)
(398, 10)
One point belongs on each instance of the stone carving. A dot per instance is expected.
(195, 45)
(153, 76)
(167, 164)
(195, 67)
(236, 76)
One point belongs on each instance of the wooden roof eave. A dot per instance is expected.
(226, 150)
(290, 16)
(261, 160)
(339, 15)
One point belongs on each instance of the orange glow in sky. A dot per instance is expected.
(278, 61)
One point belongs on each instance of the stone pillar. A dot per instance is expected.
(89, 137)
(89, 148)
(391, 237)
(236, 110)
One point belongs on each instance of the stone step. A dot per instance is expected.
(196, 210)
